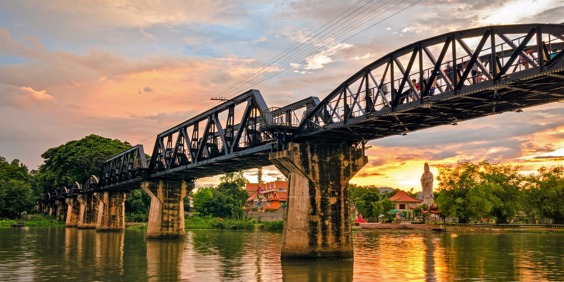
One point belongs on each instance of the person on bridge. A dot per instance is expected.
(475, 73)
(523, 59)
(416, 85)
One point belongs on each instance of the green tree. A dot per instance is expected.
(137, 206)
(472, 191)
(212, 202)
(459, 193)
(363, 198)
(226, 200)
(546, 193)
(16, 196)
(76, 160)
(503, 182)
(16, 193)
(382, 206)
(233, 184)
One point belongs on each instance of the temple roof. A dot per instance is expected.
(401, 196)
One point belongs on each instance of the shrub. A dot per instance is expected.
(272, 225)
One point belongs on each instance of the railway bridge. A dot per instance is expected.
(319, 144)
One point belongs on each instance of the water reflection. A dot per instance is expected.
(228, 255)
(59, 254)
(317, 270)
(164, 259)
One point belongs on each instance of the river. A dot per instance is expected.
(63, 254)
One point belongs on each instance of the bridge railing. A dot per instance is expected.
(550, 46)
(453, 63)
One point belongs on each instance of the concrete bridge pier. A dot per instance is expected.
(88, 211)
(317, 218)
(73, 212)
(60, 210)
(166, 214)
(50, 208)
(111, 211)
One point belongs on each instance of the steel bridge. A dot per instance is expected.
(442, 80)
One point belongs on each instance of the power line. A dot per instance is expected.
(338, 26)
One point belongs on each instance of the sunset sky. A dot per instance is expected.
(130, 69)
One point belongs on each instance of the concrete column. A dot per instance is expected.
(317, 218)
(88, 211)
(50, 208)
(166, 214)
(60, 210)
(111, 211)
(73, 212)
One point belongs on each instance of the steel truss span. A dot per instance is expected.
(238, 134)
(122, 172)
(443, 80)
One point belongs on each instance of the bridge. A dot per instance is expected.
(319, 144)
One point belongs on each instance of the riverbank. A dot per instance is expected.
(191, 223)
(458, 227)
(194, 223)
(31, 220)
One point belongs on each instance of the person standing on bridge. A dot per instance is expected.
(524, 57)
(475, 73)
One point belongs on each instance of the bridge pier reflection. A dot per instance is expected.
(317, 219)
(164, 259)
(166, 214)
(111, 211)
(320, 270)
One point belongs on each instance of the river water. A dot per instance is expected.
(62, 254)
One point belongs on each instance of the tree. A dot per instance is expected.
(363, 198)
(546, 193)
(76, 161)
(459, 193)
(503, 182)
(226, 200)
(382, 206)
(16, 196)
(473, 191)
(16, 193)
(233, 184)
(137, 205)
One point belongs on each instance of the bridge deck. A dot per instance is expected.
(522, 90)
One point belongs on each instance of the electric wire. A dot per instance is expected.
(342, 27)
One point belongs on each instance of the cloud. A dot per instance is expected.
(24, 96)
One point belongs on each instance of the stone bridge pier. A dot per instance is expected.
(166, 214)
(73, 212)
(60, 209)
(88, 214)
(318, 215)
(111, 211)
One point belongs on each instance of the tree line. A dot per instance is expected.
(466, 191)
(484, 191)
(481, 192)
(75, 161)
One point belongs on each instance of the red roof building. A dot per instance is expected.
(270, 197)
(403, 201)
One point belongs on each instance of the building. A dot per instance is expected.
(271, 196)
(403, 201)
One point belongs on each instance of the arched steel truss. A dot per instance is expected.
(124, 170)
(235, 135)
(441, 80)
(227, 132)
